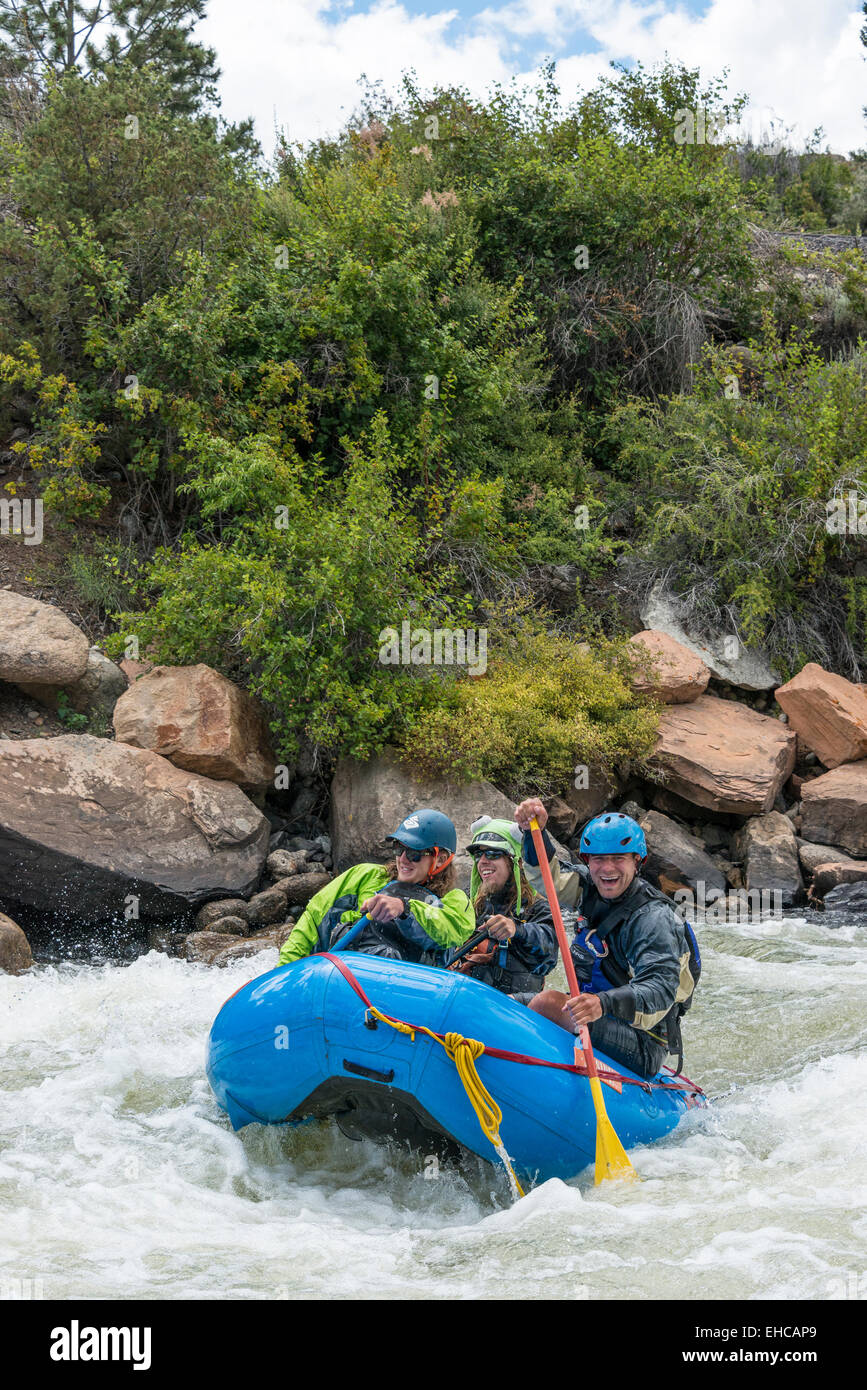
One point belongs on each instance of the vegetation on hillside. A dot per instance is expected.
(402, 373)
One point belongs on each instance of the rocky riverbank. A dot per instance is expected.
(182, 833)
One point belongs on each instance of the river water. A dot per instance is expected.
(120, 1177)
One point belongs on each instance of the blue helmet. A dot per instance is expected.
(613, 833)
(427, 829)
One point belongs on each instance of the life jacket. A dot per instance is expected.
(606, 973)
(377, 938)
(495, 963)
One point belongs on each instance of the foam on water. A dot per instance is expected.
(120, 1177)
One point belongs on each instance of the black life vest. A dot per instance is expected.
(377, 938)
(606, 973)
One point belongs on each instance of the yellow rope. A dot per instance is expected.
(463, 1052)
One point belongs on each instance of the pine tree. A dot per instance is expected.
(40, 37)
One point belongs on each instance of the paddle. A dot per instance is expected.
(611, 1157)
(467, 947)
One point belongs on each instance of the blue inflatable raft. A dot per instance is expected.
(299, 1043)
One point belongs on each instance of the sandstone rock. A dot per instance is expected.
(830, 876)
(828, 713)
(767, 848)
(369, 801)
(746, 668)
(300, 889)
(285, 864)
(199, 721)
(811, 856)
(834, 809)
(38, 643)
(267, 907)
(202, 946)
(722, 755)
(677, 855)
(674, 674)
(98, 690)
(84, 822)
(133, 669)
(211, 913)
(602, 791)
(230, 926)
(562, 819)
(15, 956)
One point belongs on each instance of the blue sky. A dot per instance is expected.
(296, 63)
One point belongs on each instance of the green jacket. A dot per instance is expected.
(428, 927)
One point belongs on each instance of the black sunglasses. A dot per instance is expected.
(413, 855)
(489, 854)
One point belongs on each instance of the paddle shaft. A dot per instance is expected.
(568, 963)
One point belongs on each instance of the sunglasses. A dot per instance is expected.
(413, 855)
(490, 854)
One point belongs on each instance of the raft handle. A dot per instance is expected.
(358, 1070)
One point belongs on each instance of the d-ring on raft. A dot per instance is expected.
(308, 1040)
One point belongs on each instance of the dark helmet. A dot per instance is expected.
(427, 829)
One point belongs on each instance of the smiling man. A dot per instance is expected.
(636, 960)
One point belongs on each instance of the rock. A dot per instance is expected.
(297, 844)
(85, 822)
(208, 948)
(848, 897)
(723, 755)
(230, 926)
(369, 801)
(562, 819)
(203, 946)
(828, 713)
(633, 810)
(811, 856)
(263, 941)
(97, 691)
(38, 643)
(601, 791)
(199, 721)
(212, 913)
(748, 669)
(15, 955)
(670, 804)
(133, 669)
(716, 838)
(767, 848)
(829, 876)
(834, 809)
(300, 889)
(677, 855)
(268, 907)
(283, 864)
(673, 673)
(166, 941)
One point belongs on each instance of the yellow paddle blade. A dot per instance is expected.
(612, 1161)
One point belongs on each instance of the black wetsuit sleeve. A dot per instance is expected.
(528, 848)
(652, 948)
(535, 939)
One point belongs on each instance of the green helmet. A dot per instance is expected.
(496, 834)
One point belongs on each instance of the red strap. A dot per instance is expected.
(605, 1073)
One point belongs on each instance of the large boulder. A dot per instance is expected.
(722, 755)
(828, 713)
(369, 800)
(672, 672)
(768, 850)
(38, 643)
(834, 809)
(676, 859)
(848, 897)
(85, 823)
(200, 721)
(15, 955)
(602, 790)
(829, 876)
(97, 691)
(727, 658)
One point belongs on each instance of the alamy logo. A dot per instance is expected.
(75, 1343)
(19, 518)
(440, 646)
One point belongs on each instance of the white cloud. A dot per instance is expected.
(285, 63)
